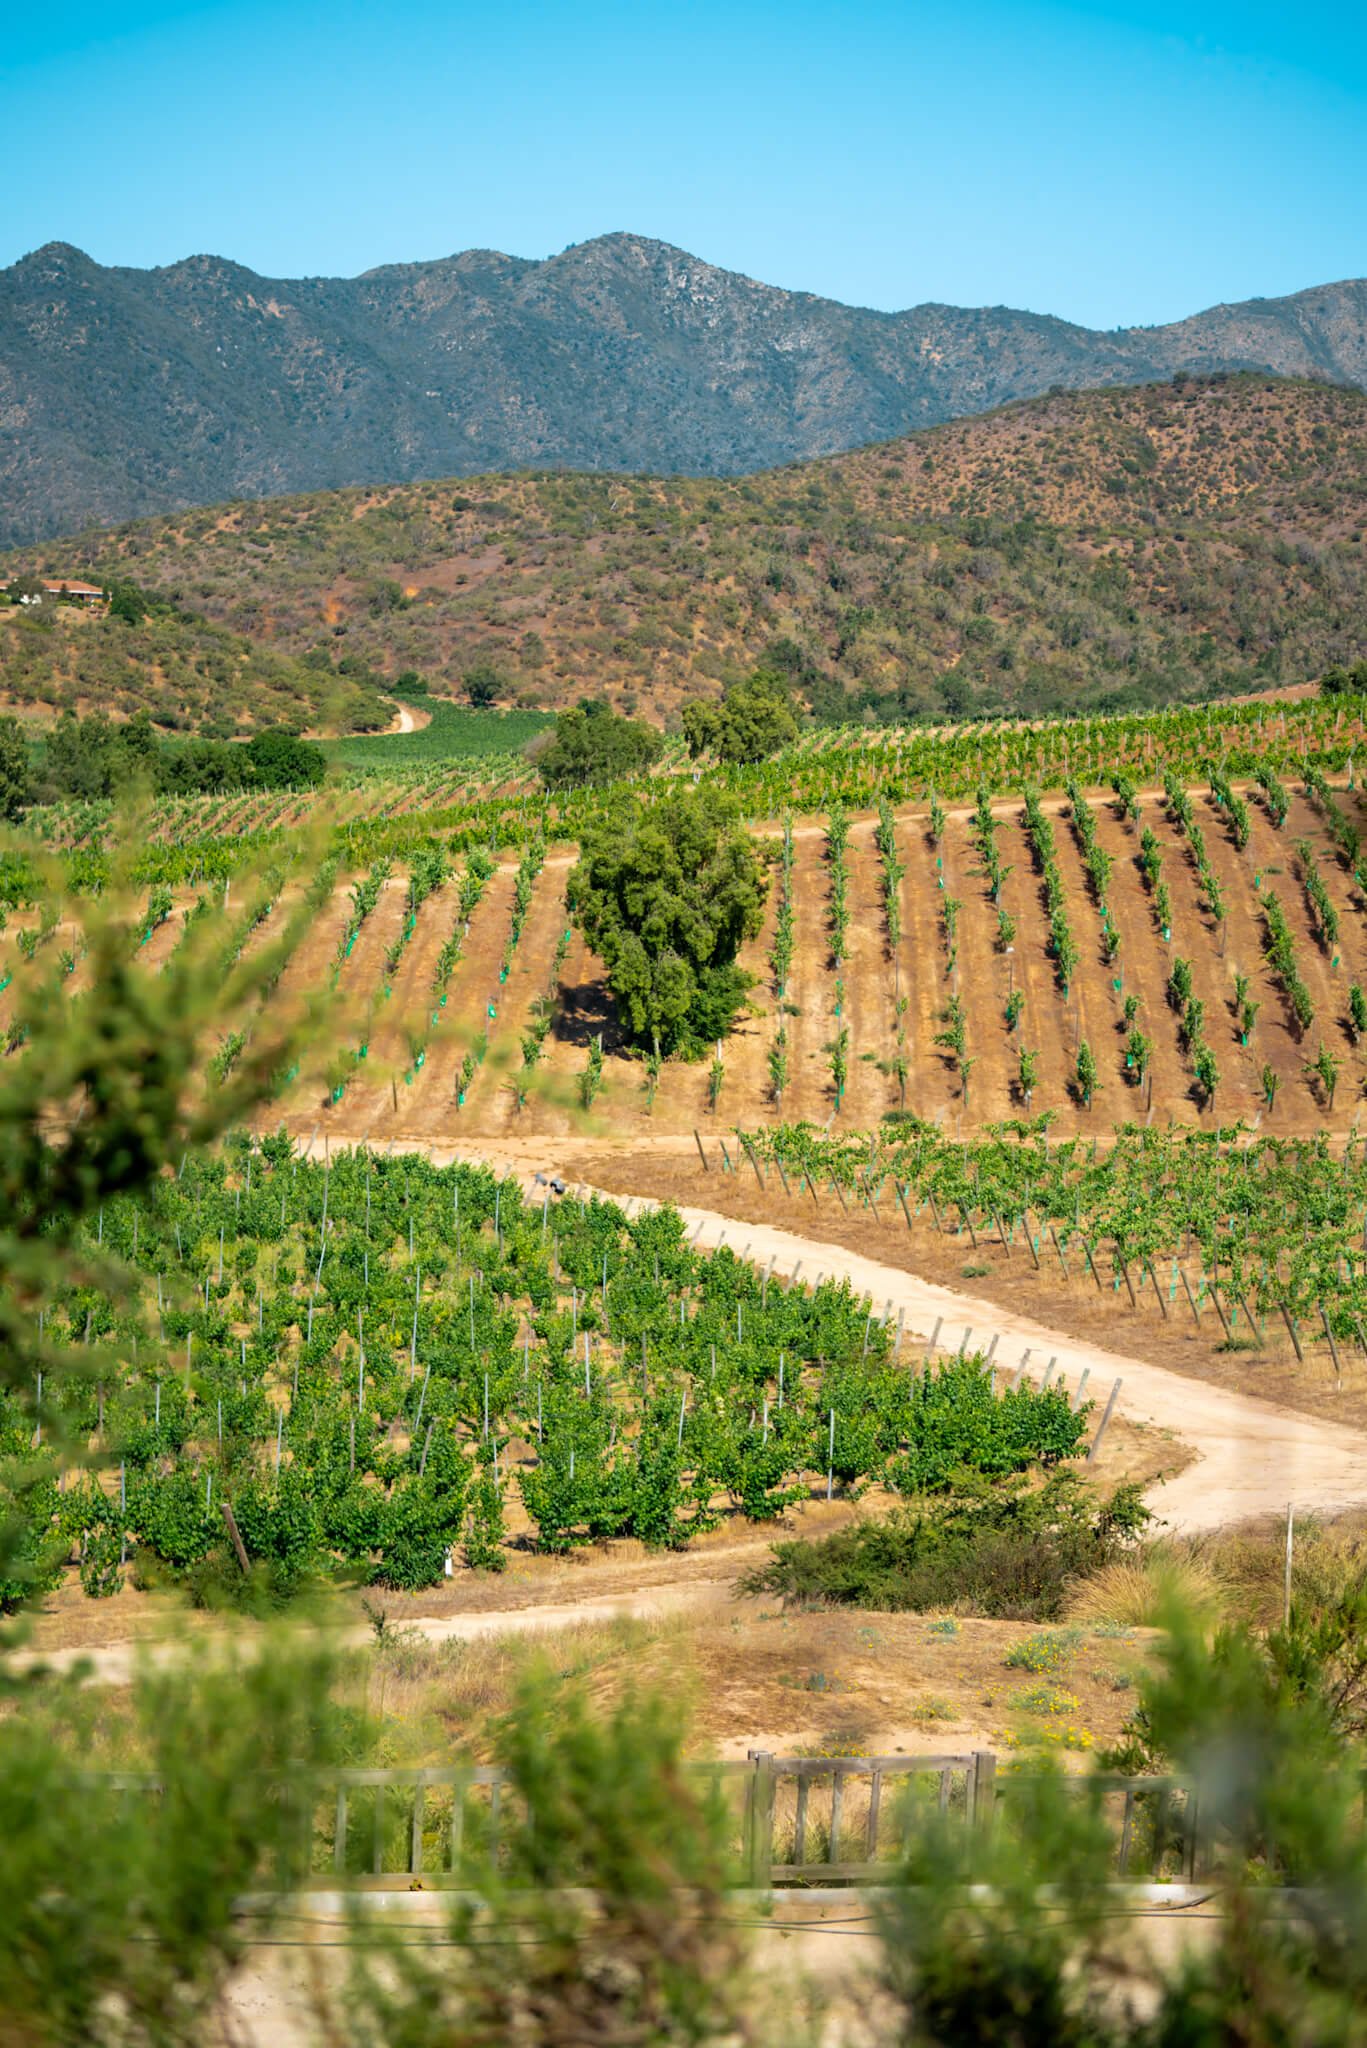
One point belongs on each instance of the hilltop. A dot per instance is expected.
(1099, 549)
(127, 392)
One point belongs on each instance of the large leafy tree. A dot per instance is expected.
(281, 760)
(753, 720)
(484, 686)
(666, 894)
(592, 745)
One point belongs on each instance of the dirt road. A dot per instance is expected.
(1253, 1457)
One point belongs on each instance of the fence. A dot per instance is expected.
(793, 1820)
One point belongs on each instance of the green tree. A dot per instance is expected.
(666, 894)
(14, 769)
(592, 746)
(484, 685)
(128, 602)
(753, 720)
(1338, 681)
(280, 760)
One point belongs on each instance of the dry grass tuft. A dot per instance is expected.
(1135, 1592)
(427, 1698)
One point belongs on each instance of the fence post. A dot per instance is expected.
(701, 1154)
(1333, 1347)
(984, 1787)
(1158, 1290)
(762, 1820)
(1252, 1321)
(1110, 1410)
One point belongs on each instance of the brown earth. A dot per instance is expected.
(982, 975)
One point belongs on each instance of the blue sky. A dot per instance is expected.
(1112, 163)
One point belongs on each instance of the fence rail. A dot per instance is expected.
(793, 1820)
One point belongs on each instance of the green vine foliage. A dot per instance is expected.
(426, 1342)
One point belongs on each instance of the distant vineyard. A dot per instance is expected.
(1140, 947)
(495, 798)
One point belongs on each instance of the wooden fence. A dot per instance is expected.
(793, 1820)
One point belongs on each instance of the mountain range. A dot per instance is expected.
(125, 392)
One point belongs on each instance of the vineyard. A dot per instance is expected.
(1267, 1238)
(1084, 1000)
(377, 1366)
(1143, 946)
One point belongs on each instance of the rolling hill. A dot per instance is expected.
(128, 392)
(1099, 549)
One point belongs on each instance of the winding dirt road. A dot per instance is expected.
(1252, 1457)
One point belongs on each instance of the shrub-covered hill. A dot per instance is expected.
(1096, 549)
(188, 674)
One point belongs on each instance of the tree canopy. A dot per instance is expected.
(593, 745)
(14, 771)
(753, 720)
(666, 894)
(96, 757)
(484, 686)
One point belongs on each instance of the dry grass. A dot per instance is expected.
(425, 1699)
(830, 1682)
(1135, 1592)
(1233, 1575)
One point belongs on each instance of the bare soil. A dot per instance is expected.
(979, 971)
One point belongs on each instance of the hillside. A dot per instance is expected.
(1102, 549)
(188, 675)
(126, 392)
